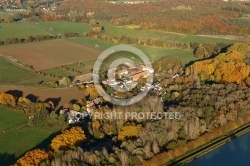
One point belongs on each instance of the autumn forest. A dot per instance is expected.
(200, 56)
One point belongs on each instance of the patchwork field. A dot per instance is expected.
(64, 94)
(49, 54)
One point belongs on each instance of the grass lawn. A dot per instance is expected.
(18, 137)
(10, 74)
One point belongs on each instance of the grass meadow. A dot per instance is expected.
(23, 30)
(20, 30)
(10, 74)
(153, 53)
(16, 137)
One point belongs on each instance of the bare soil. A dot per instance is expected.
(61, 95)
(49, 54)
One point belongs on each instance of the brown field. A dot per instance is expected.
(66, 94)
(49, 54)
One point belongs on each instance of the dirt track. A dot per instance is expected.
(229, 37)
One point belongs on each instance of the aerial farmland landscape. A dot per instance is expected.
(101, 82)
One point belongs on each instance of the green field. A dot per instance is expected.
(61, 27)
(16, 137)
(23, 30)
(87, 66)
(98, 44)
(20, 30)
(59, 72)
(10, 74)
(153, 53)
(118, 31)
(13, 75)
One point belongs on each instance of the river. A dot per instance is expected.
(234, 153)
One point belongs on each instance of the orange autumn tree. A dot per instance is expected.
(32, 158)
(228, 67)
(71, 137)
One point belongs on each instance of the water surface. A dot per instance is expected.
(234, 153)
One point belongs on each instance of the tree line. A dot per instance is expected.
(38, 109)
(37, 38)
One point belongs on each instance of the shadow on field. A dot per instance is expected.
(56, 101)
(32, 98)
(7, 159)
(16, 93)
(44, 144)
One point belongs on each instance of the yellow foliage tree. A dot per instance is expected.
(92, 91)
(240, 47)
(32, 158)
(71, 137)
(7, 99)
(227, 67)
(129, 131)
(248, 81)
(231, 56)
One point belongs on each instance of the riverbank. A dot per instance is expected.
(211, 146)
(202, 145)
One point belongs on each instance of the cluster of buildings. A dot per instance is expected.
(73, 116)
(76, 116)
(128, 77)
(125, 79)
